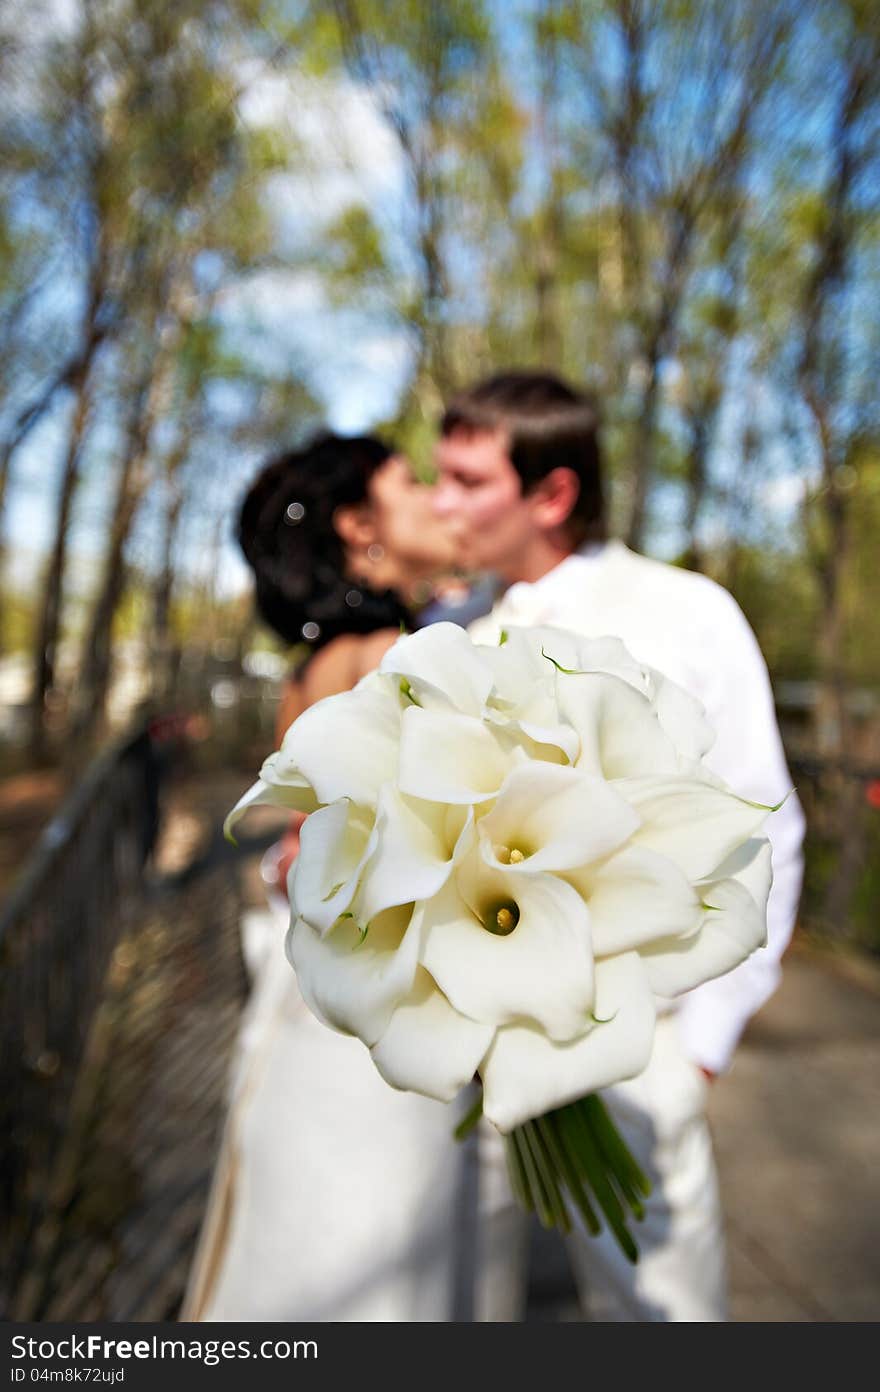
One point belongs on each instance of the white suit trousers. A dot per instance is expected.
(681, 1272)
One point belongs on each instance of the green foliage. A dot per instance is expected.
(356, 257)
(778, 594)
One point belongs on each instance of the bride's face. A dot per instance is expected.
(414, 539)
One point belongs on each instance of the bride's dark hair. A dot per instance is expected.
(286, 532)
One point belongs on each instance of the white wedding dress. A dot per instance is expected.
(334, 1197)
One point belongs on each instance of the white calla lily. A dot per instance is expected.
(733, 925)
(533, 650)
(449, 758)
(553, 817)
(519, 671)
(295, 796)
(619, 733)
(344, 746)
(750, 865)
(526, 1074)
(635, 897)
(510, 852)
(503, 951)
(546, 744)
(681, 716)
(695, 823)
(535, 714)
(415, 846)
(443, 668)
(429, 1046)
(355, 983)
(335, 844)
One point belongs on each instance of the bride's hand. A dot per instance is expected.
(289, 848)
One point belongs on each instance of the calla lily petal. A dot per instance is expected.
(415, 845)
(525, 1074)
(635, 897)
(344, 746)
(619, 732)
(570, 653)
(335, 844)
(355, 984)
(443, 667)
(682, 716)
(294, 797)
(540, 739)
(557, 817)
(429, 1047)
(730, 930)
(449, 758)
(695, 823)
(540, 970)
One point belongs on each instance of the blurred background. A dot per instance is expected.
(223, 224)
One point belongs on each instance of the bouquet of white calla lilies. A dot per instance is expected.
(510, 853)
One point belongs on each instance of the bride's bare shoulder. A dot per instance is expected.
(372, 648)
(328, 671)
(338, 667)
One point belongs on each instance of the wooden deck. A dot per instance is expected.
(133, 1174)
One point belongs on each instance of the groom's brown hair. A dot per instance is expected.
(549, 425)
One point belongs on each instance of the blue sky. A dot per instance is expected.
(356, 367)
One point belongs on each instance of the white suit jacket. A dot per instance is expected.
(693, 631)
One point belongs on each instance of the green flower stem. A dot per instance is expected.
(581, 1139)
(548, 1128)
(585, 1148)
(597, 1169)
(547, 1169)
(540, 1201)
(572, 1155)
(629, 1202)
(615, 1149)
(620, 1180)
(470, 1119)
(518, 1181)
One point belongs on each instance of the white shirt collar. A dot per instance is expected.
(557, 582)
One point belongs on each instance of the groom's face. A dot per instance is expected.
(481, 493)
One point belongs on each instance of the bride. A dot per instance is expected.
(334, 1197)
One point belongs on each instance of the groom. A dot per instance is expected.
(519, 469)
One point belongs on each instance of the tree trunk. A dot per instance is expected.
(71, 375)
(165, 655)
(659, 342)
(819, 381)
(550, 342)
(643, 458)
(4, 479)
(96, 660)
(46, 645)
(547, 292)
(701, 433)
(830, 716)
(702, 417)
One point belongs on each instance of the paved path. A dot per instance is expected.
(797, 1131)
(797, 1136)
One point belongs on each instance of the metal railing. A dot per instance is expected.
(57, 932)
